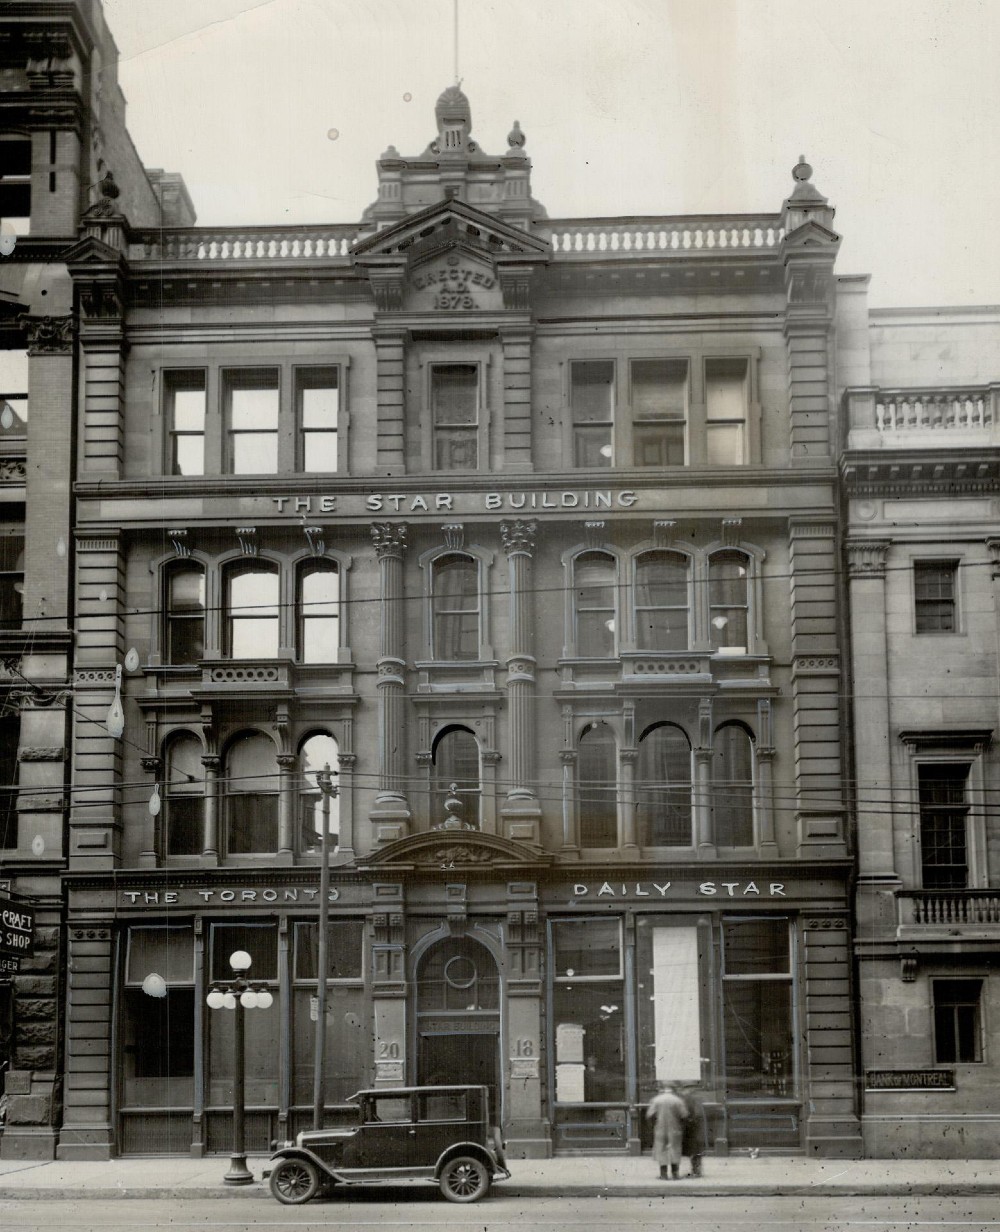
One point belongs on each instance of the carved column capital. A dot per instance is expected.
(48, 335)
(389, 539)
(518, 536)
(866, 557)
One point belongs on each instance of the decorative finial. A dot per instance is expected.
(802, 171)
(515, 138)
(108, 187)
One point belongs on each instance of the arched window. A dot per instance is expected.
(184, 805)
(729, 601)
(597, 786)
(455, 607)
(252, 605)
(732, 786)
(316, 753)
(251, 780)
(663, 787)
(319, 612)
(661, 601)
(455, 758)
(185, 632)
(594, 604)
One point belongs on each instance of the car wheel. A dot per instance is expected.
(464, 1179)
(294, 1181)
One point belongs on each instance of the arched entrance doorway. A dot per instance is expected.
(458, 1017)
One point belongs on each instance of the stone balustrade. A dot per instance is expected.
(900, 410)
(637, 237)
(949, 908)
(245, 244)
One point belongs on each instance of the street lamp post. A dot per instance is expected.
(324, 781)
(239, 995)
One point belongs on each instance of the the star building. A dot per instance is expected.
(527, 527)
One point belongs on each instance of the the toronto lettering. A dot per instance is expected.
(167, 897)
(654, 889)
(444, 502)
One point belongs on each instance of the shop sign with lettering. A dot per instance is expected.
(654, 890)
(591, 500)
(214, 897)
(17, 929)
(910, 1080)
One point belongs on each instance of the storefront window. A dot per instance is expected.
(588, 1011)
(669, 1000)
(158, 1031)
(261, 1026)
(348, 1028)
(757, 1007)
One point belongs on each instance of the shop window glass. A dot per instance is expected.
(185, 614)
(597, 787)
(729, 601)
(661, 601)
(184, 806)
(732, 786)
(663, 787)
(659, 411)
(935, 595)
(669, 987)
(261, 1037)
(455, 604)
(185, 412)
(757, 1008)
(317, 393)
(594, 605)
(10, 733)
(456, 760)
(958, 1032)
(726, 398)
(158, 1032)
(592, 400)
(252, 785)
(317, 753)
(260, 941)
(588, 1011)
(345, 949)
(252, 611)
(944, 811)
(13, 390)
(347, 1066)
(455, 415)
(319, 613)
(251, 398)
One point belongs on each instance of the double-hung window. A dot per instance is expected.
(958, 1028)
(661, 601)
(455, 404)
(184, 393)
(11, 579)
(592, 403)
(15, 181)
(729, 601)
(185, 803)
(727, 396)
(251, 404)
(319, 612)
(185, 631)
(594, 604)
(935, 596)
(944, 811)
(659, 390)
(455, 607)
(597, 786)
(252, 611)
(317, 396)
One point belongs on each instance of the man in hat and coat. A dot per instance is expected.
(671, 1113)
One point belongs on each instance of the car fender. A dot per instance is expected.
(475, 1149)
(297, 1152)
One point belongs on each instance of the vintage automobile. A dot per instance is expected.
(438, 1133)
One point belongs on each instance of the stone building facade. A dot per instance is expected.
(920, 473)
(528, 528)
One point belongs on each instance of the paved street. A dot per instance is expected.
(426, 1212)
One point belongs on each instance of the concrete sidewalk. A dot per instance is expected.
(575, 1176)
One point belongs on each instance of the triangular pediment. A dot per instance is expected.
(452, 850)
(91, 251)
(811, 235)
(447, 224)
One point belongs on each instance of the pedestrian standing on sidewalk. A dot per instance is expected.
(670, 1112)
(695, 1136)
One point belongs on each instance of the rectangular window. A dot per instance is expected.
(317, 398)
(185, 414)
(757, 1007)
(262, 1054)
(251, 400)
(958, 1035)
(592, 400)
(13, 391)
(345, 949)
(935, 595)
(260, 941)
(455, 416)
(669, 1020)
(11, 580)
(944, 809)
(158, 1032)
(15, 183)
(659, 411)
(726, 403)
(588, 1011)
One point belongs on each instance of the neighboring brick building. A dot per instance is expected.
(61, 128)
(921, 476)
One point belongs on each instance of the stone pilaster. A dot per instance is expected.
(390, 814)
(528, 1135)
(521, 812)
(388, 967)
(210, 852)
(390, 423)
(87, 1131)
(703, 827)
(516, 342)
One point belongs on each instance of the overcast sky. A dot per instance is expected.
(276, 110)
